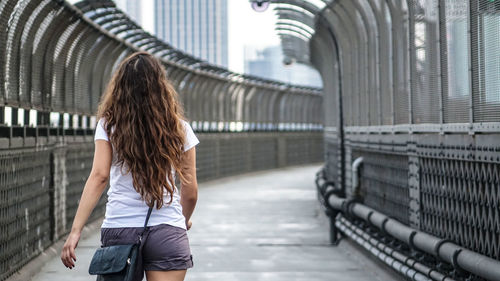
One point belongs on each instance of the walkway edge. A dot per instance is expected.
(34, 266)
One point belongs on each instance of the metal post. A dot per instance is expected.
(411, 29)
(334, 236)
(472, 31)
(14, 116)
(443, 51)
(2, 115)
(26, 117)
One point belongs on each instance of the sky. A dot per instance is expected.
(246, 28)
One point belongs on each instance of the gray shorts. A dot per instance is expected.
(163, 247)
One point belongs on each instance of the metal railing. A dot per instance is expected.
(55, 63)
(412, 86)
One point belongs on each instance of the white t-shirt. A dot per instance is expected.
(125, 208)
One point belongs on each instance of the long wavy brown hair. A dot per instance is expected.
(142, 117)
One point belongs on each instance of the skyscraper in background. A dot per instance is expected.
(199, 27)
(132, 8)
(268, 63)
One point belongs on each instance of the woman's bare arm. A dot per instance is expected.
(189, 190)
(94, 187)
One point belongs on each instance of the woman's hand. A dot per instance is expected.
(188, 224)
(68, 256)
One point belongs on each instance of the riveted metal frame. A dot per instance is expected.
(367, 54)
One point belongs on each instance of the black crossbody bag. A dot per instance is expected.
(117, 262)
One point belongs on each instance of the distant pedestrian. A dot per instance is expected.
(141, 141)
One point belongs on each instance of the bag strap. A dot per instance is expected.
(145, 223)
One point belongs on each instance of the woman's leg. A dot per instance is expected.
(171, 275)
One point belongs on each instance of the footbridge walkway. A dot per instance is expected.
(406, 128)
(253, 227)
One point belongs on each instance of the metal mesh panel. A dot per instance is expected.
(231, 153)
(460, 202)
(206, 157)
(386, 69)
(6, 8)
(26, 49)
(24, 207)
(300, 149)
(456, 81)
(264, 153)
(486, 63)
(78, 164)
(224, 154)
(61, 55)
(51, 25)
(401, 60)
(425, 50)
(332, 155)
(384, 183)
(16, 25)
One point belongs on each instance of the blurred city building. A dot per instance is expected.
(132, 7)
(199, 27)
(268, 63)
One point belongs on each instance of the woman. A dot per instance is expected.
(141, 141)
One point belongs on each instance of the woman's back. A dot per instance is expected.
(125, 207)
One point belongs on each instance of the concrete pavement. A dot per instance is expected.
(259, 226)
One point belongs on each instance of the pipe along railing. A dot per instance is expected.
(377, 232)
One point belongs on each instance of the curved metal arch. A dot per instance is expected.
(155, 47)
(6, 10)
(143, 41)
(214, 104)
(293, 31)
(355, 18)
(106, 22)
(194, 97)
(371, 57)
(186, 91)
(60, 66)
(324, 58)
(301, 29)
(234, 97)
(286, 15)
(124, 53)
(272, 122)
(132, 34)
(206, 102)
(54, 63)
(311, 8)
(83, 72)
(267, 108)
(401, 18)
(95, 72)
(296, 47)
(86, 6)
(347, 55)
(53, 28)
(13, 46)
(247, 109)
(101, 15)
(295, 10)
(115, 23)
(128, 30)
